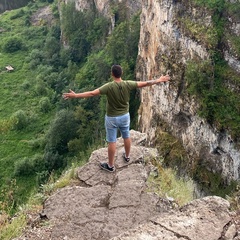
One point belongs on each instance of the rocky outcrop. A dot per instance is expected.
(106, 7)
(208, 218)
(165, 46)
(103, 205)
(43, 16)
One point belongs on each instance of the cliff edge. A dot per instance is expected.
(117, 206)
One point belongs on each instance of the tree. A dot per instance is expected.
(62, 129)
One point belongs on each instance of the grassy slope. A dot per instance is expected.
(15, 144)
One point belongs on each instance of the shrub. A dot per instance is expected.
(42, 177)
(45, 104)
(18, 14)
(41, 88)
(26, 85)
(23, 167)
(37, 143)
(53, 161)
(13, 44)
(28, 166)
(19, 119)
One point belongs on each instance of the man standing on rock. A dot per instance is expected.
(117, 110)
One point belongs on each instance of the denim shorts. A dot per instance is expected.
(112, 124)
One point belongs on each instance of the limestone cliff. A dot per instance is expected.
(164, 46)
(106, 7)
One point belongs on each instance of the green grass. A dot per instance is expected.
(167, 184)
(10, 231)
(15, 145)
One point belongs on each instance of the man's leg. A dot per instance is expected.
(111, 153)
(127, 146)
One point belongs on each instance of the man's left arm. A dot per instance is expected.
(165, 78)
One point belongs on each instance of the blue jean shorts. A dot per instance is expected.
(112, 124)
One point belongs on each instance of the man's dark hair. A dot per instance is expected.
(117, 71)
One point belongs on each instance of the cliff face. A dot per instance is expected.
(105, 7)
(164, 46)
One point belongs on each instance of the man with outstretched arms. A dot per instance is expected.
(117, 110)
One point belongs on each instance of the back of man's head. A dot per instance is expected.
(117, 71)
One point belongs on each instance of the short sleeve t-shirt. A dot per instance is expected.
(118, 96)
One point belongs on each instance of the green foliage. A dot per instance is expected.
(28, 166)
(12, 44)
(213, 183)
(6, 125)
(217, 8)
(205, 81)
(10, 231)
(20, 120)
(200, 77)
(207, 35)
(41, 88)
(18, 14)
(234, 199)
(233, 9)
(35, 58)
(20, 102)
(62, 129)
(45, 104)
(124, 37)
(53, 161)
(235, 43)
(37, 143)
(172, 151)
(51, 46)
(217, 5)
(7, 196)
(83, 30)
(166, 183)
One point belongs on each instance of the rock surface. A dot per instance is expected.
(116, 206)
(164, 46)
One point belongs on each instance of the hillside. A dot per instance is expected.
(41, 134)
(23, 119)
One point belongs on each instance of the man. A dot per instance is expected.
(117, 110)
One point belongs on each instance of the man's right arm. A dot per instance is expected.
(152, 82)
(72, 94)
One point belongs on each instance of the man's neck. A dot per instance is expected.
(117, 79)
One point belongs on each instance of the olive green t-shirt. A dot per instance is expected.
(118, 95)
